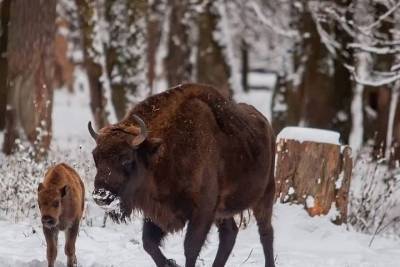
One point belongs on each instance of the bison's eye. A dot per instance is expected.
(128, 163)
(128, 166)
(55, 204)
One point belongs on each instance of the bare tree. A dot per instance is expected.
(93, 52)
(4, 18)
(211, 64)
(30, 73)
(177, 64)
(126, 50)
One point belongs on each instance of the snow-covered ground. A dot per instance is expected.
(300, 241)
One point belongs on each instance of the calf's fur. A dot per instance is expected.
(61, 199)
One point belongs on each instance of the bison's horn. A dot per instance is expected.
(92, 132)
(143, 131)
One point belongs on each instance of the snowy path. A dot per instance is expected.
(300, 242)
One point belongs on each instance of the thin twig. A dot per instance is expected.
(248, 257)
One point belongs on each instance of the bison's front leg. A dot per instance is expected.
(70, 240)
(196, 234)
(51, 236)
(152, 237)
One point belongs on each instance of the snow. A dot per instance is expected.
(262, 80)
(310, 202)
(299, 241)
(302, 134)
(71, 113)
(260, 99)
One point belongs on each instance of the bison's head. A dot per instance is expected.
(51, 203)
(122, 156)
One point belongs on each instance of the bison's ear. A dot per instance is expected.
(64, 190)
(40, 187)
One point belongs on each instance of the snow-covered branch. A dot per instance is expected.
(267, 22)
(375, 79)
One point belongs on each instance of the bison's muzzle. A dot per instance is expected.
(48, 221)
(104, 198)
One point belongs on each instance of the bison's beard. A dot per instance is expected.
(119, 211)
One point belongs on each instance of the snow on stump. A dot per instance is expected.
(313, 169)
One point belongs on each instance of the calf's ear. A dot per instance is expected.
(40, 187)
(64, 190)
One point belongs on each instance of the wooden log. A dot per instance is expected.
(314, 174)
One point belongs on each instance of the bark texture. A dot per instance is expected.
(177, 64)
(211, 66)
(30, 73)
(88, 16)
(316, 175)
(4, 19)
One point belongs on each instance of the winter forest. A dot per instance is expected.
(325, 73)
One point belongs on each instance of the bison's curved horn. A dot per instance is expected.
(92, 132)
(143, 131)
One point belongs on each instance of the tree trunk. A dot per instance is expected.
(211, 65)
(4, 19)
(244, 49)
(363, 16)
(394, 123)
(317, 83)
(177, 63)
(31, 73)
(87, 17)
(123, 65)
(315, 175)
(342, 85)
(154, 31)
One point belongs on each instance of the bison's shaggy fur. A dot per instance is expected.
(61, 201)
(196, 158)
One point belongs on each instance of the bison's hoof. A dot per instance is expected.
(171, 263)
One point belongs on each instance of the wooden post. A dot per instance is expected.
(314, 174)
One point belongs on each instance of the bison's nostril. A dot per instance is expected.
(48, 220)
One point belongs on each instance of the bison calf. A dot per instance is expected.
(61, 203)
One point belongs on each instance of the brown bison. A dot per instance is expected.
(61, 202)
(188, 155)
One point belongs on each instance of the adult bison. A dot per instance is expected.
(188, 155)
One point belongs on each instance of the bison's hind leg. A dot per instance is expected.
(152, 237)
(227, 236)
(263, 213)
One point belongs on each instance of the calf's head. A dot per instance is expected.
(122, 157)
(51, 203)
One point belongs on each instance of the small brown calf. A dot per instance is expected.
(61, 199)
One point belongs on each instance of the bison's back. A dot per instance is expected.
(210, 143)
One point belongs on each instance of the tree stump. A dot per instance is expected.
(314, 170)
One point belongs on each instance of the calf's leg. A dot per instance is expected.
(227, 236)
(51, 236)
(152, 237)
(70, 240)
